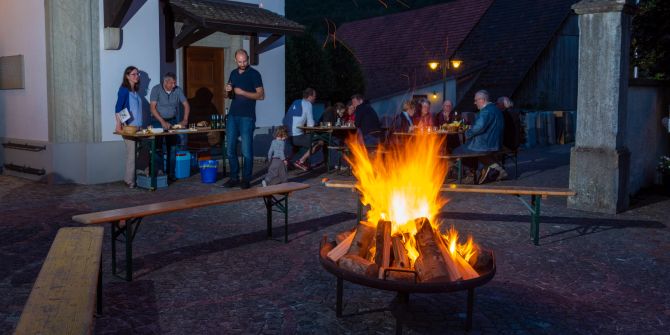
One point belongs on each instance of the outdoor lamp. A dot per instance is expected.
(453, 63)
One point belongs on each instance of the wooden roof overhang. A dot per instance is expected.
(204, 17)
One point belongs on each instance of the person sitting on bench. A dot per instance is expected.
(483, 137)
(300, 114)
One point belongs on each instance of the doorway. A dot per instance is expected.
(204, 82)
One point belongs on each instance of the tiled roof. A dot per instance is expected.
(234, 16)
(509, 38)
(394, 50)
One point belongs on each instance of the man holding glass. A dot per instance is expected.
(244, 87)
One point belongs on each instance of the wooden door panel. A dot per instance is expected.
(204, 83)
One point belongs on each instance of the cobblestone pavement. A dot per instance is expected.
(212, 270)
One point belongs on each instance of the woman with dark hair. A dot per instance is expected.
(129, 100)
(424, 118)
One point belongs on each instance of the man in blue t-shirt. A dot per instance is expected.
(244, 87)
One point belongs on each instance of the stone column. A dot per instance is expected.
(73, 70)
(600, 160)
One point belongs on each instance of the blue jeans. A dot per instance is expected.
(244, 128)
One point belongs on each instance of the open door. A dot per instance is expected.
(204, 84)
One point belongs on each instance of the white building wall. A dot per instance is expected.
(23, 112)
(141, 48)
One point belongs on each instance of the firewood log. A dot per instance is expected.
(340, 249)
(400, 257)
(344, 235)
(464, 268)
(359, 265)
(397, 275)
(431, 265)
(383, 244)
(362, 239)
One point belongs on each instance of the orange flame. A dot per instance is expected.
(467, 250)
(401, 182)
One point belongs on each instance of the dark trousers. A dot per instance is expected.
(164, 145)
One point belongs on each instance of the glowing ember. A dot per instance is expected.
(401, 182)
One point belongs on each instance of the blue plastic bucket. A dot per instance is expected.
(182, 168)
(208, 170)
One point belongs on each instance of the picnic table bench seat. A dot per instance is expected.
(126, 221)
(68, 289)
(535, 193)
(458, 158)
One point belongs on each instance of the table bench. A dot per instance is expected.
(535, 193)
(68, 289)
(126, 221)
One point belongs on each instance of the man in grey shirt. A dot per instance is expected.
(164, 102)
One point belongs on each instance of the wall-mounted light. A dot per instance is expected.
(434, 95)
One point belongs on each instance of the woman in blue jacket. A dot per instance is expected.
(129, 99)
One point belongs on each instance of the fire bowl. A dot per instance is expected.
(404, 288)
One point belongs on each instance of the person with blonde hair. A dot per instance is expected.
(277, 173)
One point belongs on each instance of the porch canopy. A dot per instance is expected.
(204, 17)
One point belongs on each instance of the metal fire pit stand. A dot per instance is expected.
(404, 288)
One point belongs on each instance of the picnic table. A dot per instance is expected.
(325, 133)
(144, 136)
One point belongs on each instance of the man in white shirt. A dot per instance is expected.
(300, 114)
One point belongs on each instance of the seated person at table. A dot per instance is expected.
(446, 115)
(349, 116)
(367, 121)
(424, 118)
(512, 130)
(332, 115)
(402, 122)
(484, 137)
(277, 170)
(300, 114)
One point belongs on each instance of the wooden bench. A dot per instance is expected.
(69, 286)
(535, 193)
(126, 221)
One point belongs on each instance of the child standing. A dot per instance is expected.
(277, 171)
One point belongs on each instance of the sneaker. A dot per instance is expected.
(264, 183)
(244, 185)
(484, 174)
(130, 185)
(502, 175)
(490, 175)
(300, 165)
(230, 183)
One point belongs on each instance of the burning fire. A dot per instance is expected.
(401, 183)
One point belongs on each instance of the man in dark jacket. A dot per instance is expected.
(366, 120)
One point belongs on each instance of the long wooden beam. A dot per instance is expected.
(115, 10)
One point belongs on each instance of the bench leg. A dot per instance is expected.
(459, 169)
(534, 209)
(268, 209)
(281, 205)
(128, 229)
(99, 288)
(535, 219)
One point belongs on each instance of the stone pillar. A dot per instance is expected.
(600, 160)
(73, 70)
